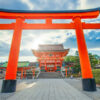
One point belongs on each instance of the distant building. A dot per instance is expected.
(50, 57)
(23, 66)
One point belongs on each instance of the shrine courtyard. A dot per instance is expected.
(50, 84)
(50, 89)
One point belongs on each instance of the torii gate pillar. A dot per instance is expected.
(88, 81)
(9, 84)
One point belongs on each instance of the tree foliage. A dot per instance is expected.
(93, 59)
(75, 59)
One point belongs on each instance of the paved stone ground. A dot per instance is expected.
(21, 85)
(77, 83)
(47, 89)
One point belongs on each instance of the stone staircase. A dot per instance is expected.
(46, 75)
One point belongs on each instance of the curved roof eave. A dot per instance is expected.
(49, 11)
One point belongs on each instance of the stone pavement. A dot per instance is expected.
(77, 83)
(47, 89)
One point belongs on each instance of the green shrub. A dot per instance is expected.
(96, 74)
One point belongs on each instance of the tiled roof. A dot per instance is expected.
(51, 47)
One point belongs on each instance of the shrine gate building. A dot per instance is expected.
(50, 57)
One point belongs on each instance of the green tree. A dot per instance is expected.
(75, 61)
(77, 68)
(93, 59)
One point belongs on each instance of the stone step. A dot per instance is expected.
(50, 75)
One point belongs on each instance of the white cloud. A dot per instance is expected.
(71, 5)
(94, 20)
(97, 38)
(82, 4)
(4, 58)
(72, 51)
(94, 49)
(88, 4)
(31, 41)
(21, 58)
(6, 36)
(88, 32)
(61, 20)
(28, 58)
(28, 3)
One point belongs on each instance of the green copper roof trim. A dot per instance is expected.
(20, 64)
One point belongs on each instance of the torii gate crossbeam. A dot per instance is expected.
(26, 26)
(9, 84)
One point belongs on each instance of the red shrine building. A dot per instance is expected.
(50, 57)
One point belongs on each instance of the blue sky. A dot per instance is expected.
(32, 38)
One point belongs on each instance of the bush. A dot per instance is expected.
(75, 75)
(96, 74)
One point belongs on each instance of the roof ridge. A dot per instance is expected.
(49, 44)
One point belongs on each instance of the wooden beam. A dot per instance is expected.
(26, 26)
(91, 25)
(53, 15)
(7, 26)
(48, 26)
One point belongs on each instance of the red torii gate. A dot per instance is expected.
(9, 84)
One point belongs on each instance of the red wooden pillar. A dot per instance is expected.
(21, 74)
(45, 65)
(24, 73)
(60, 63)
(33, 71)
(88, 81)
(55, 65)
(40, 64)
(11, 70)
(66, 71)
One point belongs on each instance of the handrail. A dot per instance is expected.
(62, 74)
(37, 74)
